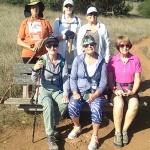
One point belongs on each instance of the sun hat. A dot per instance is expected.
(68, 2)
(91, 9)
(51, 39)
(27, 11)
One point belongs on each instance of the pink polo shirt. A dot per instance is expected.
(124, 73)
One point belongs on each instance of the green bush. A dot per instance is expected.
(117, 7)
(144, 8)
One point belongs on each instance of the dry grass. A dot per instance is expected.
(11, 17)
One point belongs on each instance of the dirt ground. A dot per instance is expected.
(139, 131)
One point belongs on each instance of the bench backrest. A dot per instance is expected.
(22, 74)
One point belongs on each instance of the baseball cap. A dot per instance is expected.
(91, 9)
(68, 2)
(51, 39)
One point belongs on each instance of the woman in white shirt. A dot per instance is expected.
(66, 28)
(98, 31)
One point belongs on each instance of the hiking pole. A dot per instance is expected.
(37, 93)
(69, 50)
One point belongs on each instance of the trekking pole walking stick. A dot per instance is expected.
(69, 50)
(37, 93)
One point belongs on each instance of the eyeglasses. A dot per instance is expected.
(50, 46)
(68, 6)
(123, 45)
(86, 45)
(92, 14)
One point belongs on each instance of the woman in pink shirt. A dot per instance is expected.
(124, 77)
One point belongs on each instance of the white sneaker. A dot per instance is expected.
(93, 143)
(73, 134)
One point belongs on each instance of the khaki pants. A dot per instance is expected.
(53, 108)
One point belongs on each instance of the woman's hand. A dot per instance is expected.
(76, 95)
(65, 99)
(128, 92)
(38, 65)
(119, 92)
(92, 97)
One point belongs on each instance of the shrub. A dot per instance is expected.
(144, 8)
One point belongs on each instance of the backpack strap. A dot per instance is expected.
(60, 22)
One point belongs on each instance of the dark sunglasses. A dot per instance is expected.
(86, 45)
(50, 46)
(68, 6)
(123, 45)
(92, 14)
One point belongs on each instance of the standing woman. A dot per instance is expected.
(124, 78)
(66, 29)
(98, 31)
(32, 31)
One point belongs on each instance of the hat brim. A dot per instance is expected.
(27, 12)
(55, 40)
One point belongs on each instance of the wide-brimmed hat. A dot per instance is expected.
(27, 11)
(68, 2)
(51, 39)
(91, 9)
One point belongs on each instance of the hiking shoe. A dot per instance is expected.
(125, 138)
(73, 134)
(93, 143)
(52, 142)
(118, 139)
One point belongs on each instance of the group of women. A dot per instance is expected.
(92, 70)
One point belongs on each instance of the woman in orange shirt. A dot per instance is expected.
(33, 31)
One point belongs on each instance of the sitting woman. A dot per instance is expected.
(124, 77)
(54, 87)
(88, 80)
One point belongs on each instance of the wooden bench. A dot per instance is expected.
(22, 76)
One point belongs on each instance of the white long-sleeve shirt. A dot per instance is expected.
(60, 27)
(104, 41)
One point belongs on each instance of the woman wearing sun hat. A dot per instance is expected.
(66, 29)
(98, 31)
(33, 30)
(88, 80)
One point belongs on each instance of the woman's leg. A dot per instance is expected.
(133, 106)
(59, 106)
(118, 116)
(96, 115)
(118, 112)
(74, 107)
(45, 99)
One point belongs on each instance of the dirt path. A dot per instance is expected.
(15, 139)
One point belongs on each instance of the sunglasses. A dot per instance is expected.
(50, 46)
(123, 45)
(92, 14)
(91, 44)
(68, 6)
